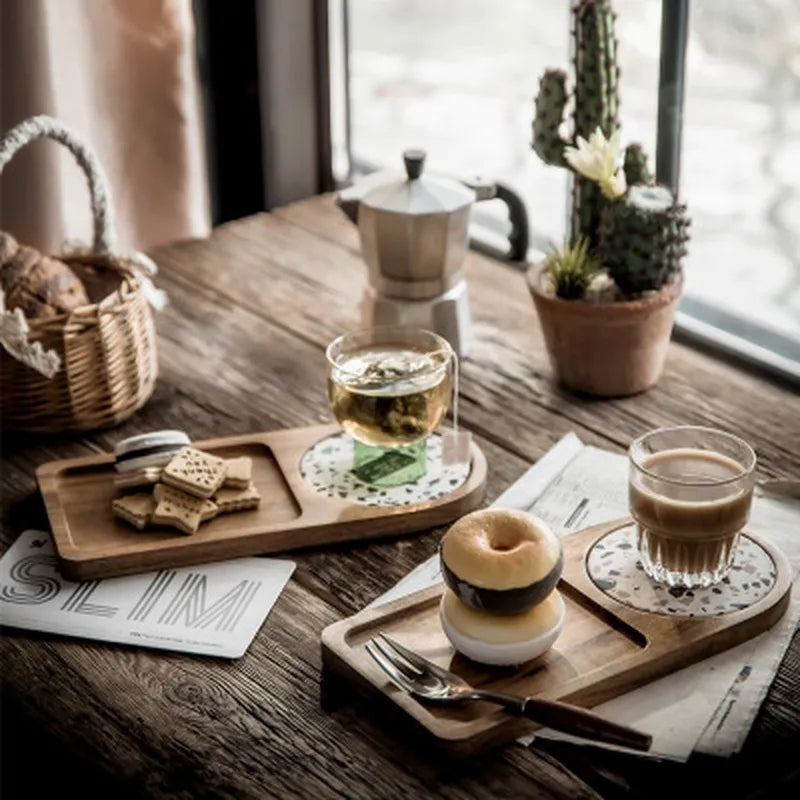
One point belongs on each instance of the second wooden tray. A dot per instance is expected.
(605, 649)
(92, 543)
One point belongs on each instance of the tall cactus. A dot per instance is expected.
(596, 105)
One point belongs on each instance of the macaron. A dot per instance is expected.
(134, 478)
(155, 449)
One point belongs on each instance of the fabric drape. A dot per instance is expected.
(123, 75)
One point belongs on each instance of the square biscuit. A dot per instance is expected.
(135, 509)
(237, 499)
(209, 511)
(180, 510)
(195, 472)
(238, 472)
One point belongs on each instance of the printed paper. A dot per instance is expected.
(209, 609)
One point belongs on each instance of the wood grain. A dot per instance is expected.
(241, 351)
(507, 388)
(92, 544)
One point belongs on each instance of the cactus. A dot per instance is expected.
(635, 166)
(642, 238)
(596, 71)
(550, 102)
(596, 105)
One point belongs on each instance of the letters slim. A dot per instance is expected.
(35, 583)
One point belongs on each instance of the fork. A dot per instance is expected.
(427, 681)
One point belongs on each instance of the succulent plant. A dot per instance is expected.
(572, 268)
(642, 238)
(596, 105)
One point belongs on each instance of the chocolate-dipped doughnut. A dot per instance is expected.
(503, 561)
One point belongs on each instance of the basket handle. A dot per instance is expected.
(43, 126)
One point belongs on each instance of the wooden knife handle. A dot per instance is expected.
(580, 722)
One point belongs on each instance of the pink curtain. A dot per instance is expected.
(122, 74)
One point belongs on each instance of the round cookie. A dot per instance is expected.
(502, 640)
(154, 449)
(503, 561)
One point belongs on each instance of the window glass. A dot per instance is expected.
(459, 78)
(741, 159)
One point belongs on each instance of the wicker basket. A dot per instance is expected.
(107, 349)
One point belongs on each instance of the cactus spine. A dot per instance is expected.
(643, 238)
(596, 105)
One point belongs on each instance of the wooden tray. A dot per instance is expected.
(92, 543)
(604, 650)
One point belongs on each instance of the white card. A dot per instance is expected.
(209, 609)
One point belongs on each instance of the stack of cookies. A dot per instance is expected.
(179, 485)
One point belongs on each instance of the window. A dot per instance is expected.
(458, 79)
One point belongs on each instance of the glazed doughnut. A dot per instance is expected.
(501, 560)
(502, 640)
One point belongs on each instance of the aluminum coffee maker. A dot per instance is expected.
(414, 239)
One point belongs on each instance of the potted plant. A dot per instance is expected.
(606, 300)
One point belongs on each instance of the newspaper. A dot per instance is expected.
(707, 707)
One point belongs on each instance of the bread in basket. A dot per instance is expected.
(78, 343)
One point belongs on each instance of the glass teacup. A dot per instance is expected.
(389, 387)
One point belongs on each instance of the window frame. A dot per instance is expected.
(263, 68)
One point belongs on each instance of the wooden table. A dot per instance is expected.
(241, 350)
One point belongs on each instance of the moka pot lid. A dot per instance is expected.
(416, 194)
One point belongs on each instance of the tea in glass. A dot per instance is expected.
(389, 387)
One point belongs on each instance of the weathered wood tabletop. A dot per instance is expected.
(241, 350)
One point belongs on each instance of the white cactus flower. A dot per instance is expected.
(600, 160)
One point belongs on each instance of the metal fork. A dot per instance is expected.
(427, 681)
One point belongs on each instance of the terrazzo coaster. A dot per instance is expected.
(180, 510)
(237, 499)
(195, 472)
(238, 472)
(135, 509)
(614, 567)
(328, 468)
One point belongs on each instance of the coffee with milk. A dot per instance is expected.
(690, 505)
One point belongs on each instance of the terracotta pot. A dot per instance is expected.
(606, 349)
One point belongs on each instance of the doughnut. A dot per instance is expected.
(502, 640)
(499, 560)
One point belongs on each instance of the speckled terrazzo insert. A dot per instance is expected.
(328, 465)
(614, 567)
